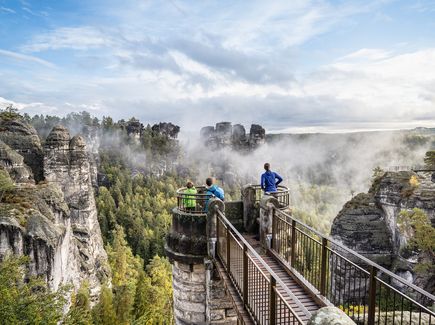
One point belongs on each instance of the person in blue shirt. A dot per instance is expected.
(213, 191)
(269, 180)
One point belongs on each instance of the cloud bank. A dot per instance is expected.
(196, 64)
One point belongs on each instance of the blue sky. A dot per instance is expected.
(289, 65)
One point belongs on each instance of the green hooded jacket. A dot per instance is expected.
(189, 201)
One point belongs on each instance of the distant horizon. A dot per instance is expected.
(319, 129)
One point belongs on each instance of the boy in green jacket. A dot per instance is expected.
(189, 201)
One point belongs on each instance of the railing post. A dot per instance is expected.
(293, 244)
(228, 249)
(372, 296)
(323, 272)
(272, 301)
(245, 274)
(272, 241)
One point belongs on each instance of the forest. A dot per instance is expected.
(139, 173)
(134, 216)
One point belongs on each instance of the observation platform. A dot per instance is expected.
(278, 270)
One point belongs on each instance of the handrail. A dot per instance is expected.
(404, 168)
(282, 195)
(365, 259)
(201, 191)
(193, 203)
(269, 270)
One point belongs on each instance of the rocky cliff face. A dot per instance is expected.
(54, 222)
(225, 135)
(368, 223)
(25, 141)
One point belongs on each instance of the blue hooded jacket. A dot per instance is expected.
(216, 191)
(269, 181)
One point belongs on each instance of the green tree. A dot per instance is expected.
(153, 301)
(125, 273)
(417, 226)
(6, 183)
(27, 301)
(80, 310)
(104, 312)
(9, 113)
(377, 172)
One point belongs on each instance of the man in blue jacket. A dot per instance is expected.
(213, 191)
(270, 180)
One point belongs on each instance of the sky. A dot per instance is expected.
(291, 66)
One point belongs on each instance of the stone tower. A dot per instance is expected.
(199, 294)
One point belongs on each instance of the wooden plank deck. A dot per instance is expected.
(259, 298)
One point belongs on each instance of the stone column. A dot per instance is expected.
(186, 247)
(266, 213)
(250, 211)
(213, 205)
(199, 294)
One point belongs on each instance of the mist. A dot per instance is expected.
(323, 171)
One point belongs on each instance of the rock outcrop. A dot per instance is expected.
(134, 129)
(257, 136)
(330, 316)
(13, 163)
(23, 138)
(225, 135)
(53, 222)
(368, 223)
(167, 129)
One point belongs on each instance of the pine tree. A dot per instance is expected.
(125, 273)
(80, 310)
(27, 301)
(6, 183)
(104, 312)
(153, 301)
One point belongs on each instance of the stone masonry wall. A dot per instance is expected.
(200, 296)
(220, 309)
(189, 285)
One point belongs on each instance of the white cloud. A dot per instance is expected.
(26, 58)
(8, 10)
(76, 38)
(34, 108)
(366, 54)
(381, 86)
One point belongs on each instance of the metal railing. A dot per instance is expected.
(193, 203)
(415, 168)
(365, 291)
(282, 195)
(260, 289)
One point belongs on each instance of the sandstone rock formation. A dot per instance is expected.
(330, 316)
(168, 129)
(368, 223)
(225, 135)
(23, 138)
(257, 136)
(134, 129)
(13, 163)
(53, 222)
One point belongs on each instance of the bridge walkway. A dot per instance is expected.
(306, 297)
(304, 271)
(292, 302)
